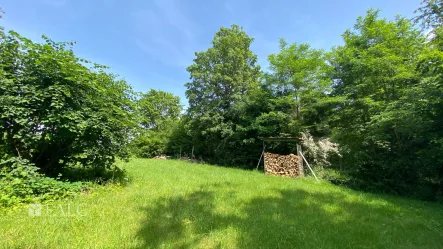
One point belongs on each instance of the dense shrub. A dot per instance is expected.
(57, 111)
(389, 120)
(158, 116)
(20, 182)
(149, 144)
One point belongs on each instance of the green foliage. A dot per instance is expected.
(300, 80)
(149, 144)
(20, 182)
(377, 99)
(158, 110)
(222, 80)
(378, 96)
(228, 113)
(179, 143)
(222, 75)
(386, 121)
(55, 111)
(430, 13)
(158, 114)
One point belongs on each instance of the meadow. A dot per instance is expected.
(175, 204)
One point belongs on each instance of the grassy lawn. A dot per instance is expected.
(172, 204)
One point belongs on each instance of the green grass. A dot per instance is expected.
(172, 204)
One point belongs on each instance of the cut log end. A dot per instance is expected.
(282, 165)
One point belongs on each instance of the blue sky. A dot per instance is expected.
(150, 42)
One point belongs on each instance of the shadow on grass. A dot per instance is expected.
(96, 175)
(292, 219)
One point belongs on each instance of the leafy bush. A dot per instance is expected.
(56, 111)
(158, 116)
(149, 144)
(20, 182)
(334, 176)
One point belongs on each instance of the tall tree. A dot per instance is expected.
(221, 77)
(425, 99)
(300, 80)
(374, 72)
(158, 115)
(158, 109)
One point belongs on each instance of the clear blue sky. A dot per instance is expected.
(150, 43)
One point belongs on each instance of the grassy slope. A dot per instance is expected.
(171, 204)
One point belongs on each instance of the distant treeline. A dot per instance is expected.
(370, 111)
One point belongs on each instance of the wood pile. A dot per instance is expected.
(164, 157)
(280, 165)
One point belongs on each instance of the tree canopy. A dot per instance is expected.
(221, 79)
(370, 111)
(55, 111)
(158, 109)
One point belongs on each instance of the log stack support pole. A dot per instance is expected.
(300, 165)
(259, 161)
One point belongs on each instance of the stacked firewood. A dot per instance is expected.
(164, 157)
(288, 166)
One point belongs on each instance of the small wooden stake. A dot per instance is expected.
(299, 154)
(264, 147)
(309, 167)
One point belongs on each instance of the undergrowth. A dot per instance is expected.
(21, 182)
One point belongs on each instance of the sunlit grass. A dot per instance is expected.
(172, 204)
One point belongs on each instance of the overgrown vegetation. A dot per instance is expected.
(21, 182)
(158, 116)
(376, 99)
(56, 112)
(388, 120)
(369, 112)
